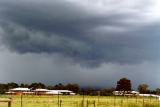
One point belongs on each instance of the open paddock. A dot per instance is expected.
(79, 101)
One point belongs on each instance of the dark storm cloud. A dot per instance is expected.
(53, 69)
(89, 35)
(90, 42)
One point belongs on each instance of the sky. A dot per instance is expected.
(89, 42)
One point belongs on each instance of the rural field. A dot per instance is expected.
(77, 101)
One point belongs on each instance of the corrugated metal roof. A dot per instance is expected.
(41, 90)
(20, 89)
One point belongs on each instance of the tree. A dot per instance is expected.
(89, 91)
(158, 91)
(3, 88)
(124, 85)
(106, 92)
(37, 85)
(59, 86)
(24, 85)
(12, 85)
(73, 87)
(50, 87)
(142, 88)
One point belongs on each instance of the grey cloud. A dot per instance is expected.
(91, 42)
(28, 68)
(90, 38)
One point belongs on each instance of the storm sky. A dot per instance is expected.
(89, 42)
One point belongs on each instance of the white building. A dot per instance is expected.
(126, 93)
(61, 92)
(117, 92)
(40, 91)
(53, 92)
(26, 91)
(19, 91)
(135, 92)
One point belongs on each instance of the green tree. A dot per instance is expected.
(89, 91)
(106, 92)
(24, 85)
(12, 85)
(142, 88)
(124, 85)
(37, 85)
(158, 91)
(73, 87)
(59, 86)
(3, 88)
(50, 87)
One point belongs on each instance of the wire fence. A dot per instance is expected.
(81, 101)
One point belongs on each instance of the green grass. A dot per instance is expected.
(76, 101)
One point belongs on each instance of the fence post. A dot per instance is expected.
(60, 102)
(114, 100)
(150, 98)
(143, 102)
(77, 104)
(58, 98)
(9, 102)
(121, 102)
(127, 99)
(136, 99)
(83, 100)
(98, 98)
(21, 100)
(94, 103)
(82, 104)
(87, 103)
(158, 101)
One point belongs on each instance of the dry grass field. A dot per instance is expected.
(77, 101)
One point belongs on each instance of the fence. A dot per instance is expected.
(9, 101)
(82, 101)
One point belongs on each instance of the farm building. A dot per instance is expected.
(19, 91)
(40, 91)
(117, 92)
(149, 95)
(27, 91)
(63, 92)
(126, 93)
(135, 92)
(53, 92)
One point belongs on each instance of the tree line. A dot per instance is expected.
(124, 85)
(70, 86)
